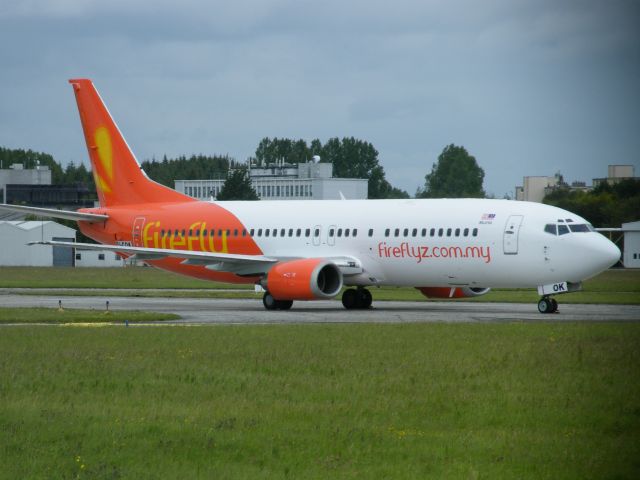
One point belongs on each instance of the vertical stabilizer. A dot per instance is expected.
(118, 175)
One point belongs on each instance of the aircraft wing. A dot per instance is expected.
(246, 265)
(54, 213)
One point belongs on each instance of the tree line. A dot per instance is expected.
(604, 206)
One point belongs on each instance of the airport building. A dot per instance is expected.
(284, 181)
(534, 188)
(15, 251)
(16, 174)
(97, 258)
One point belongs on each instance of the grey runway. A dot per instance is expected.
(247, 311)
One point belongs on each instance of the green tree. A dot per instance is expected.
(455, 175)
(238, 187)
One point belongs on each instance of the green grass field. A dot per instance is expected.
(66, 315)
(611, 286)
(514, 400)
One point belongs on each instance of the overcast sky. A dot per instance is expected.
(528, 87)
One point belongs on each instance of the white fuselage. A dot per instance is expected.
(474, 242)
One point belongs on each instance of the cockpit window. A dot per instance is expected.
(579, 227)
(550, 228)
(563, 229)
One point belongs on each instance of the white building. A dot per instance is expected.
(14, 236)
(631, 254)
(283, 181)
(97, 258)
(533, 188)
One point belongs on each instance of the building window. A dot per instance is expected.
(79, 256)
(101, 256)
(118, 257)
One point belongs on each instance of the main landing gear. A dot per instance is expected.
(271, 303)
(356, 298)
(547, 305)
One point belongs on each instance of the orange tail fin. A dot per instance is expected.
(119, 178)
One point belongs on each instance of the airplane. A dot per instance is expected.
(311, 249)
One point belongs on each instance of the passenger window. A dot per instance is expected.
(251, 232)
(220, 232)
(396, 232)
(414, 232)
(550, 228)
(386, 232)
(424, 232)
(189, 232)
(355, 232)
(475, 232)
(448, 232)
(235, 232)
(466, 232)
(183, 232)
(440, 232)
(244, 233)
(563, 229)
(307, 232)
(266, 232)
(331, 232)
(228, 233)
(316, 232)
(282, 232)
(339, 232)
(371, 232)
(213, 232)
(457, 232)
(291, 232)
(405, 232)
(432, 233)
(259, 232)
(346, 232)
(275, 232)
(298, 232)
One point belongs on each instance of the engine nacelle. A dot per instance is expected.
(305, 279)
(452, 292)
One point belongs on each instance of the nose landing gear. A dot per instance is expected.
(547, 305)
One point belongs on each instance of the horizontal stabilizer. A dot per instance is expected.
(54, 213)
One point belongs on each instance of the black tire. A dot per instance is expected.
(284, 304)
(269, 302)
(554, 305)
(545, 305)
(349, 299)
(364, 298)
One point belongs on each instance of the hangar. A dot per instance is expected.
(16, 234)
(631, 255)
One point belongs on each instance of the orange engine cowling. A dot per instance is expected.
(305, 279)
(452, 292)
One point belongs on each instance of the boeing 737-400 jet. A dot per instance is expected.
(306, 249)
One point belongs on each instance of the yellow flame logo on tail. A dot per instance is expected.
(105, 154)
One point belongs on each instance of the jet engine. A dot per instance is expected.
(452, 292)
(305, 279)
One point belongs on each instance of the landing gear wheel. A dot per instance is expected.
(364, 298)
(554, 305)
(349, 299)
(545, 305)
(285, 304)
(269, 302)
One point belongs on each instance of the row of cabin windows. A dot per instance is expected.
(432, 232)
(347, 232)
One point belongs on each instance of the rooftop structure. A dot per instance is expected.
(285, 181)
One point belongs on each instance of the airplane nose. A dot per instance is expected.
(607, 253)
